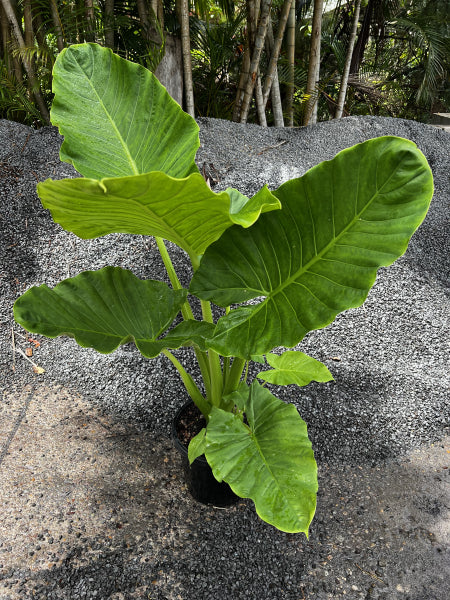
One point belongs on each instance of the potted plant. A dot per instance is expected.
(301, 253)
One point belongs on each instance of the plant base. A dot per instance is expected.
(200, 480)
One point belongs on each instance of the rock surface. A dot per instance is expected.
(91, 495)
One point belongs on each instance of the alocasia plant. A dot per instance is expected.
(303, 252)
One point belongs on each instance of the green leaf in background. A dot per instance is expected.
(117, 119)
(270, 460)
(184, 211)
(294, 367)
(101, 309)
(319, 255)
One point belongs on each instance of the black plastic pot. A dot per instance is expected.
(200, 480)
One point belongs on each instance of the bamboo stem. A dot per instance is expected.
(314, 65)
(256, 57)
(276, 47)
(348, 60)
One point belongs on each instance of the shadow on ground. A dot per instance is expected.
(97, 509)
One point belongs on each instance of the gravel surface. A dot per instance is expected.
(381, 529)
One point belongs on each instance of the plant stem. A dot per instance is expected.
(203, 363)
(235, 375)
(216, 377)
(187, 313)
(186, 309)
(215, 369)
(226, 370)
(206, 311)
(189, 384)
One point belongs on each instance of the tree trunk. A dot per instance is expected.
(6, 37)
(260, 108)
(28, 24)
(13, 64)
(183, 11)
(108, 19)
(38, 25)
(3, 34)
(161, 13)
(29, 40)
(348, 59)
(256, 56)
(28, 67)
(363, 38)
(90, 21)
(277, 107)
(252, 10)
(245, 67)
(57, 25)
(276, 47)
(277, 104)
(310, 116)
(144, 17)
(252, 21)
(290, 41)
(241, 86)
(170, 70)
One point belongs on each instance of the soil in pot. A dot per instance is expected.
(202, 484)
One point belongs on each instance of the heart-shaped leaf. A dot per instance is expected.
(294, 367)
(319, 255)
(101, 309)
(117, 119)
(270, 460)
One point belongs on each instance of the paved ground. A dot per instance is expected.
(97, 509)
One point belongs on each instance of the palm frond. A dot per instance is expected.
(15, 102)
(429, 53)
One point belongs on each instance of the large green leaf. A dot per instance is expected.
(101, 309)
(294, 367)
(319, 255)
(117, 119)
(270, 460)
(184, 211)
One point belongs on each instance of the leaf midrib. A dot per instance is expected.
(270, 295)
(272, 474)
(319, 256)
(119, 135)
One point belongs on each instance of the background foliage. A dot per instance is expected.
(399, 65)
